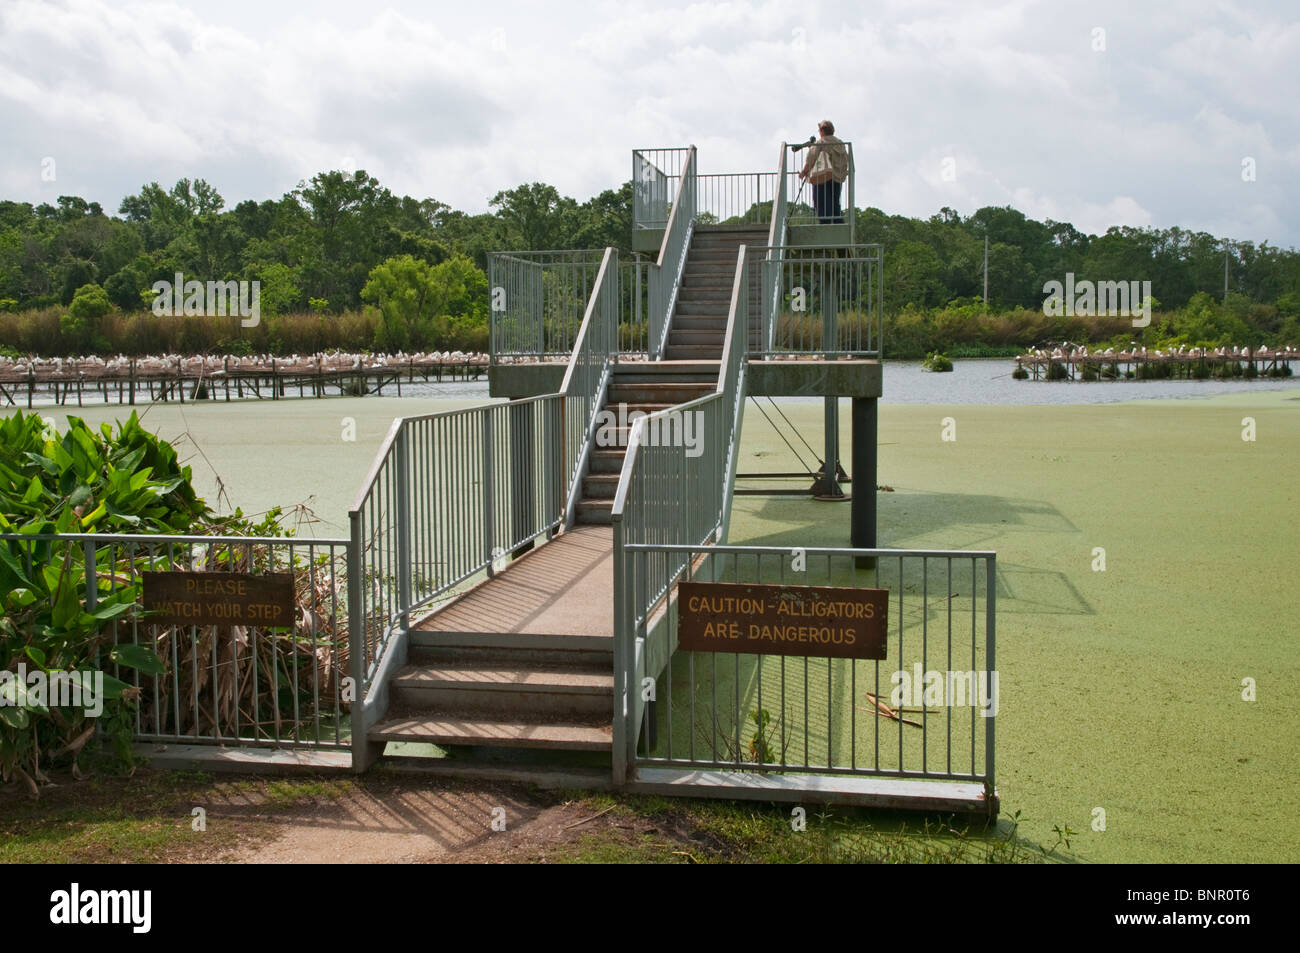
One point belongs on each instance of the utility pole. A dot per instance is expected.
(986, 270)
(1226, 246)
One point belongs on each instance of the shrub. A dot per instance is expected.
(937, 362)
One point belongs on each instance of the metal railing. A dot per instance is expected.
(655, 177)
(818, 301)
(590, 366)
(538, 300)
(674, 489)
(666, 274)
(448, 496)
(803, 208)
(742, 198)
(770, 272)
(926, 711)
(243, 684)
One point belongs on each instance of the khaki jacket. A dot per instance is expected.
(829, 150)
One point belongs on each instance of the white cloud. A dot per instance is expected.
(460, 102)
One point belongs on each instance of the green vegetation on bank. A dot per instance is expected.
(344, 263)
(52, 633)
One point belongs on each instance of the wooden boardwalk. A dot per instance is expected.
(1078, 363)
(124, 380)
(565, 587)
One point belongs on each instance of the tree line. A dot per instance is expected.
(343, 243)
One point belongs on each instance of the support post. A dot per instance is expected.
(863, 513)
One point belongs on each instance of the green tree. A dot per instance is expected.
(81, 323)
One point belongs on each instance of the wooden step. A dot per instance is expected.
(690, 336)
(693, 307)
(506, 688)
(595, 512)
(689, 352)
(699, 322)
(630, 407)
(671, 394)
(467, 728)
(716, 294)
(607, 460)
(599, 486)
(435, 647)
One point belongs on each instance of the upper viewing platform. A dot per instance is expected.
(748, 266)
(779, 199)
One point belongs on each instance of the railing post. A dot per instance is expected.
(489, 530)
(619, 753)
(357, 643)
(92, 576)
(990, 663)
(403, 527)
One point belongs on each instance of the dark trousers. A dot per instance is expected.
(826, 200)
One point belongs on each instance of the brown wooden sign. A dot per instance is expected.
(219, 598)
(782, 620)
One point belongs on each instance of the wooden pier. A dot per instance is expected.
(1067, 363)
(124, 380)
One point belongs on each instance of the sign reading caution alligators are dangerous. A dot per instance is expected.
(782, 620)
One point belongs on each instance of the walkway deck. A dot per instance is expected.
(565, 587)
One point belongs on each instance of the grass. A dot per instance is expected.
(707, 831)
(148, 818)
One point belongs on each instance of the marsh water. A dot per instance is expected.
(979, 381)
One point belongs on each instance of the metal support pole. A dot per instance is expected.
(827, 486)
(863, 515)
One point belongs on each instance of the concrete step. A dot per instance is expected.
(507, 688)
(595, 512)
(467, 728)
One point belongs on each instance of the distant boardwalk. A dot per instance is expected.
(173, 377)
(1076, 362)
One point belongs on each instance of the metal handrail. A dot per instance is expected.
(426, 520)
(666, 275)
(655, 480)
(585, 380)
(775, 239)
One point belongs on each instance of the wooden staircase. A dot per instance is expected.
(643, 388)
(522, 660)
(699, 323)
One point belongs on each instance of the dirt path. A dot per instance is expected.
(406, 823)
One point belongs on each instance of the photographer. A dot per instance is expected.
(827, 167)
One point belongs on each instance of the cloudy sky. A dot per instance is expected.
(1100, 113)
